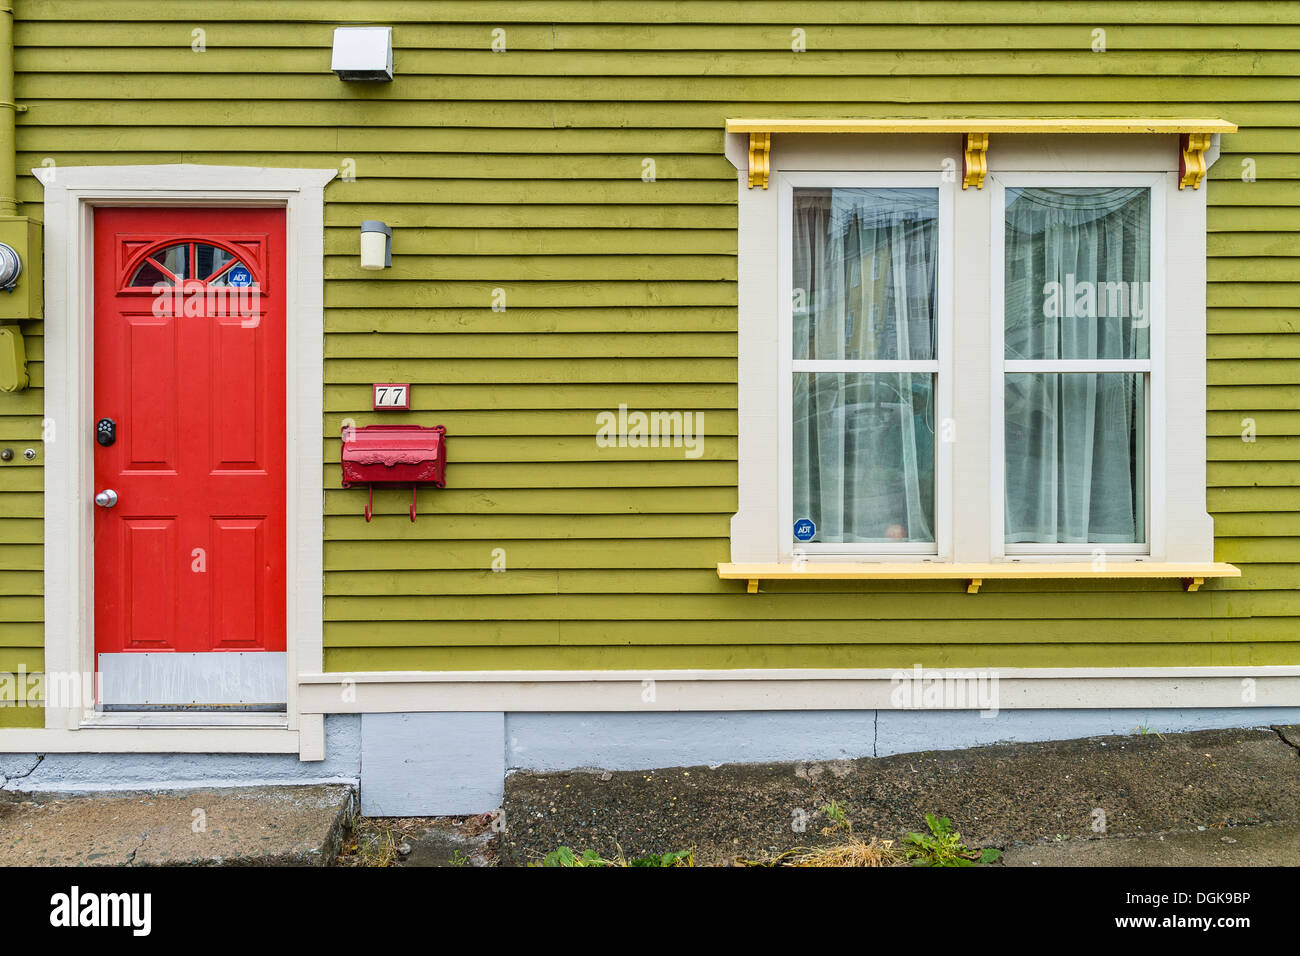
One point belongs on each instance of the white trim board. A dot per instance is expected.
(152, 740)
(784, 689)
(71, 195)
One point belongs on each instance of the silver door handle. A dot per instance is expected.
(106, 498)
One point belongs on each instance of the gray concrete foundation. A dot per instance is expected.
(428, 764)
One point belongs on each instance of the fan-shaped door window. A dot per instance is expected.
(184, 261)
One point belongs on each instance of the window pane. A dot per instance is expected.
(1076, 458)
(1078, 273)
(864, 456)
(175, 259)
(864, 273)
(148, 276)
(210, 260)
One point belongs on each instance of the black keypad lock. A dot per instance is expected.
(106, 431)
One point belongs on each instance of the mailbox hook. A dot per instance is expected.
(369, 502)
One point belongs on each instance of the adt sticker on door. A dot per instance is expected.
(239, 276)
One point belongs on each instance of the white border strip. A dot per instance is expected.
(154, 740)
(707, 690)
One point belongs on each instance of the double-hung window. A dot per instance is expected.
(865, 352)
(1077, 311)
(969, 376)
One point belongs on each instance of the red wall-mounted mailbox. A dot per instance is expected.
(394, 455)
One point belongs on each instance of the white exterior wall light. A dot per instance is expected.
(376, 245)
(363, 53)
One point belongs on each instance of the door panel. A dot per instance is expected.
(148, 549)
(237, 551)
(153, 436)
(191, 559)
(238, 415)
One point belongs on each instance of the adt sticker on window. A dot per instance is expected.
(804, 529)
(239, 276)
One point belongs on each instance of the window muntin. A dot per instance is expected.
(1077, 310)
(868, 283)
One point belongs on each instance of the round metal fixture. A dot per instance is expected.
(11, 266)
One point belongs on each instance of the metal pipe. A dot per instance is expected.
(8, 110)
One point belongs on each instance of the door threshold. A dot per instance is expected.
(270, 721)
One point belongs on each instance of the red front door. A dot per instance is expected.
(189, 409)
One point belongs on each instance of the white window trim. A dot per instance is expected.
(941, 367)
(1154, 368)
(759, 530)
(71, 196)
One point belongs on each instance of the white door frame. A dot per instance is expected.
(71, 196)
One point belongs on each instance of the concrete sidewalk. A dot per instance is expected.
(264, 826)
(1053, 798)
(1263, 845)
(1216, 798)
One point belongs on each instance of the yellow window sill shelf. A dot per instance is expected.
(976, 125)
(1192, 575)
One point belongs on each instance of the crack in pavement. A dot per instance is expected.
(1281, 731)
(40, 758)
(130, 858)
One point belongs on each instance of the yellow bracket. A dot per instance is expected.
(753, 586)
(1192, 584)
(1191, 158)
(973, 585)
(974, 161)
(760, 160)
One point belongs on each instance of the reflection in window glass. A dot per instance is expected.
(864, 273)
(175, 259)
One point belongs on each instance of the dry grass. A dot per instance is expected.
(853, 853)
(369, 843)
(374, 841)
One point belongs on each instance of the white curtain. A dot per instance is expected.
(864, 279)
(1077, 287)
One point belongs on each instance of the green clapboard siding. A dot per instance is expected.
(522, 172)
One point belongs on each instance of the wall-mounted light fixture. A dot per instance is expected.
(363, 53)
(376, 245)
